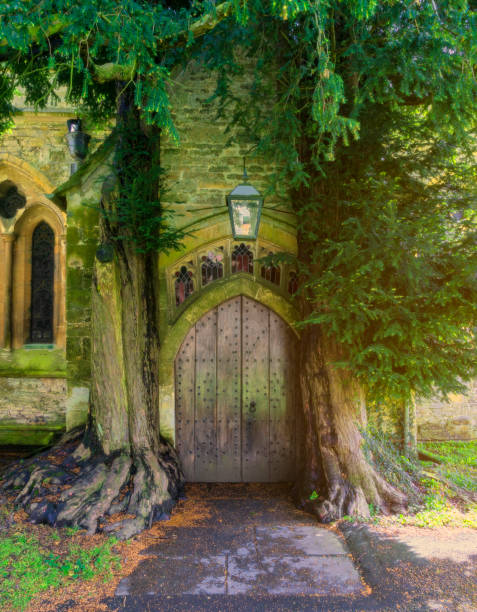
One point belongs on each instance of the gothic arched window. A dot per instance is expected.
(242, 259)
(212, 267)
(271, 272)
(184, 285)
(42, 284)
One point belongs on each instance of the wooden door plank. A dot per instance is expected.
(205, 398)
(229, 378)
(282, 401)
(185, 400)
(255, 396)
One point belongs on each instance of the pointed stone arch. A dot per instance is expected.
(15, 252)
(208, 300)
(20, 170)
(34, 215)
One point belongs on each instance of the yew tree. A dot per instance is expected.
(368, 110)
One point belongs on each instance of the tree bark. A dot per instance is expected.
(335, 465)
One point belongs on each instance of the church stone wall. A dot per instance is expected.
(452, 420)
(32, 410)
(32, 380)
(39, 139)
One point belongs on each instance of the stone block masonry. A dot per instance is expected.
(32, 410)
(452, 420)
(39, 139)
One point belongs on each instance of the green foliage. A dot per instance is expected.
(369, 109)
(6, 96)
(373, 510)
(437, 509)
(438, 513)
(392, 270)
(26, 568)
(386, 223)
(455, 452)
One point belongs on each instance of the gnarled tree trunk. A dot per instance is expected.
(335, 464)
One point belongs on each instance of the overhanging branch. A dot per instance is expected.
(124, 72)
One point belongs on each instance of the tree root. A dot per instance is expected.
(340, 497)
(76, 487)
(349, 490)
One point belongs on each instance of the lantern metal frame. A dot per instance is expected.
(245, 193)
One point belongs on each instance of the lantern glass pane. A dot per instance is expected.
(244, 218)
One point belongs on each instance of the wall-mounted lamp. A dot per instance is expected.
(245, 208)
(78, 142)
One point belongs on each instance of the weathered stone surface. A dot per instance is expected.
(39, 139)
(452, 420)
(303, 539)
(249, 547)
(32, 410)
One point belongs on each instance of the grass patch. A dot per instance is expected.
(439, 514)
(28, 565)
(458, 462)
(460, 453)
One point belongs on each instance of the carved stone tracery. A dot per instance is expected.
(223, 260)
(11, 201)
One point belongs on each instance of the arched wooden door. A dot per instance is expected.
(236, 396)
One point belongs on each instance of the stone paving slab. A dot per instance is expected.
(273, 560)
(188, 575)
(292, 575)
(317, 575)
(257, 512)
(249, 546)
(201, 540)
(244, 561)
(305, 540)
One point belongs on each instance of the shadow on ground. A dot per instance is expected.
(252, 549)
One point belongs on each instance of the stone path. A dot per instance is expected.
(249, 546)
(246, 548)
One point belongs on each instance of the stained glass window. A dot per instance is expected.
(292, 283)
(184, 285)
(271, 273)
(42, 284)
(242, 259)
(212, 267)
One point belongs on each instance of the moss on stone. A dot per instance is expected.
(34, 435)
(33, 362)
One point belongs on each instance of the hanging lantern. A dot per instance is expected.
(245, 208)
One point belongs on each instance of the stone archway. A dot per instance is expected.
(236, 417)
